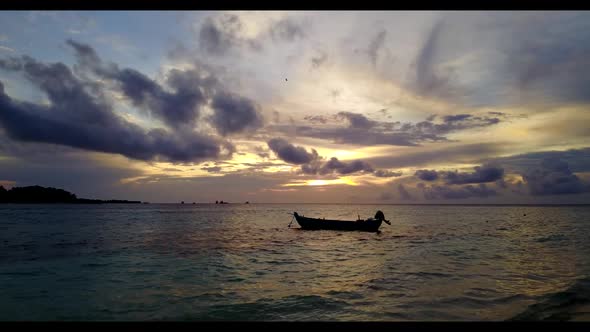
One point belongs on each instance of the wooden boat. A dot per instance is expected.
(368, 225)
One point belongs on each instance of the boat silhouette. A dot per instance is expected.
(367, 225)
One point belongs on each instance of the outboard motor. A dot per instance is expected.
(380, 216)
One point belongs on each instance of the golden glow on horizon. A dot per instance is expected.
(343, 180)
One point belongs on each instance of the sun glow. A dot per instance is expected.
(344, 180)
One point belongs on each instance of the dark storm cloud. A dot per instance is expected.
(192, 90)
(291, 153)
(548, 172)
(345, 168)
(177, 108)
(554, 177)
(234, 114)
(80, 116)
(577, 159)
(335, 166)
(454, 118)
(357, 121)
(100, 132)
(375, 45)
(481, 174)
(311, 168)
(446, 192)
(426, 175)
(386, 174)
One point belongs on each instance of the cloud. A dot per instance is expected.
(212, 169)
(358, 136)
(218, 36)
(505, 58)
(316, 119)
(192, 90)
(555, 65)
(364, 131)
(177, 109)
(375, 45)
(446, 192)
(357, 121)
(386, 174)
(465, 153)
(426, 175)
(345, 168)
(452, 123)
(553, 177)
(482, 174)
(7, 49)
(429, 82)
(261, 151)
(234, 114)
(335, 166)
(80, 116)
(291, 153)
(577, 159)
(286, 29)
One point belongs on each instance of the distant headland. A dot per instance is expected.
(38, 194)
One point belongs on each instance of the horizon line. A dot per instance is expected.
(294, 203)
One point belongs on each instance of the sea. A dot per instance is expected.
(252, 262)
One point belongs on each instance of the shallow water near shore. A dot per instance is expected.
(243, 262)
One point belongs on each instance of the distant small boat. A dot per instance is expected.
(368, 225)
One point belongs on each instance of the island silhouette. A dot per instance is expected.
(38, 194)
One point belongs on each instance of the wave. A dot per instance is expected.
(310, 307)
(570, 304)
(552, 238)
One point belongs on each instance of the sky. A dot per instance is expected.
(388, 107)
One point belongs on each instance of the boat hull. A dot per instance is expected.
(371, 225)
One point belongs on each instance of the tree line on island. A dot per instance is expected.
(38, 194)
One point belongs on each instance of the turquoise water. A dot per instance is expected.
(242, 262)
